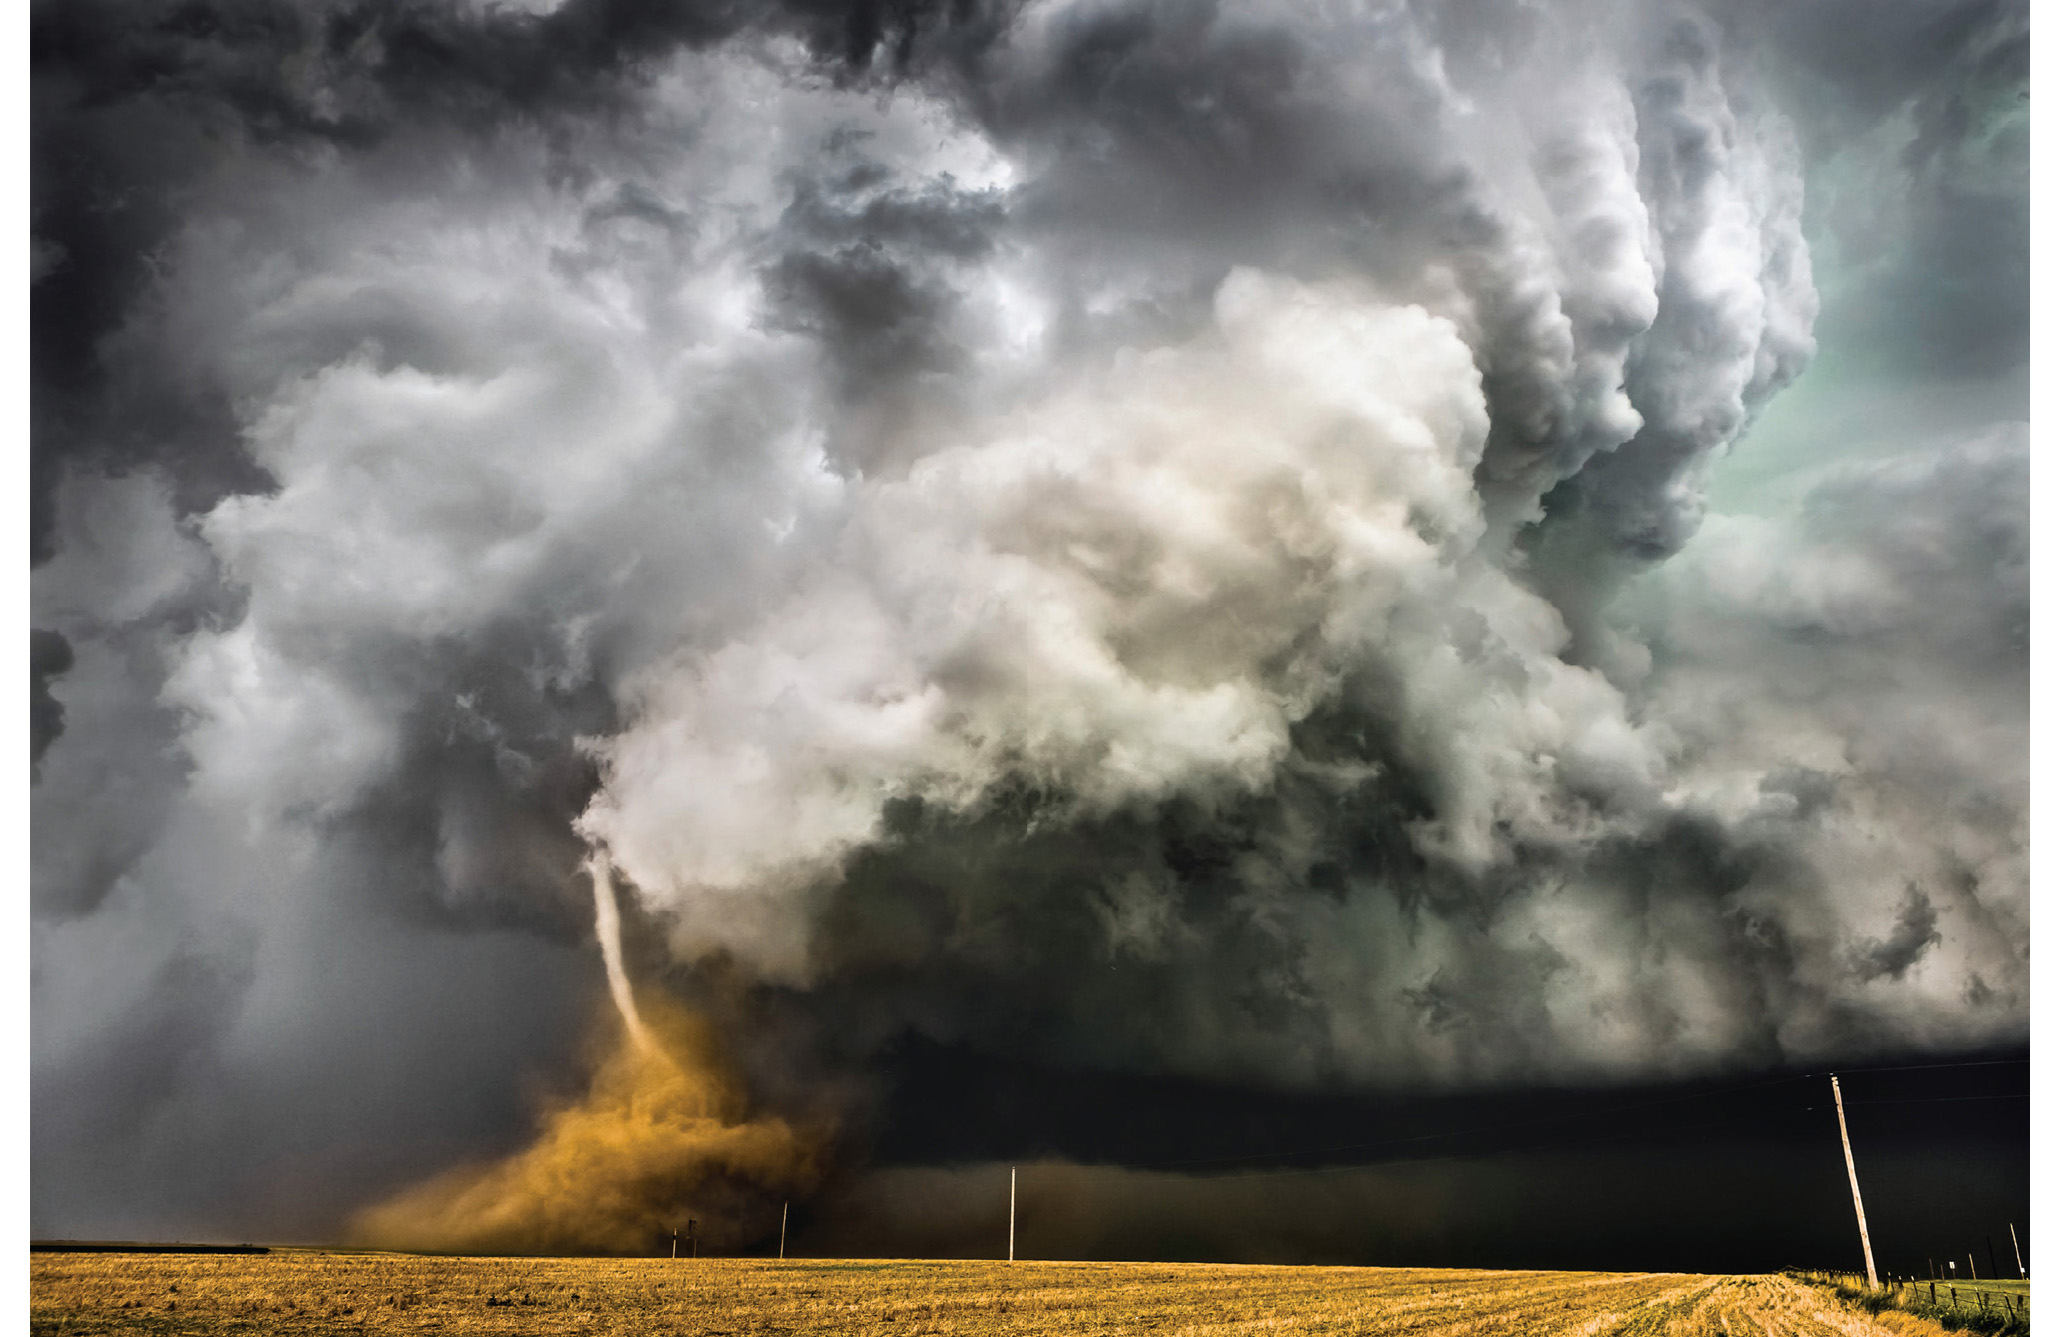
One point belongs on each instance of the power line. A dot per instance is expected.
(1943, 1100)
(1926, 1067)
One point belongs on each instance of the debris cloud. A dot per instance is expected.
(661, 1136)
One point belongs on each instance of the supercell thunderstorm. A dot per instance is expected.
(1169, 538)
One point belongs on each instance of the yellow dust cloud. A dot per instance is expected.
(661, 1135)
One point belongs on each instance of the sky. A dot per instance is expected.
(646, 610)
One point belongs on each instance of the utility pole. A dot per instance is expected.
(2016, 1249)
(1972, 1275)
(1859, 1211)
(675, 1242)
(783, 1232)
(1012, 1213)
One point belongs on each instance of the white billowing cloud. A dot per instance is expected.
(556, 410)
(1722, 184)
(1132, 589)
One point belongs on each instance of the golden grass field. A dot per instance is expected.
(307, 1291)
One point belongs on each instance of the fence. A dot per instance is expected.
(1973, 1304)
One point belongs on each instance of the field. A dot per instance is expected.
(310, 1292)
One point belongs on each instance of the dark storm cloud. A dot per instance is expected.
(870, 269)
(1118, 1166)
(1105, 531)
(49, 656)
(1916, 928)
(353, 72)
(139, 101)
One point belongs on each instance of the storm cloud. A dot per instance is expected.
(1168, 538)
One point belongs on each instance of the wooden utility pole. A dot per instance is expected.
(1012, 1213)
(783, 1232)
(1859, 1210)
(675, 1243)
(2017, 1249)
(1972, 1275)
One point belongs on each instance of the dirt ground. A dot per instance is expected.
(310, 1292)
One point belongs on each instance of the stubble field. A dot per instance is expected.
(310, 1292)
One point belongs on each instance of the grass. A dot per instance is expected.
(1990, 1307)
(312, 1292)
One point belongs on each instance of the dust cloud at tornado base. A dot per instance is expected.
(1159, 539)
